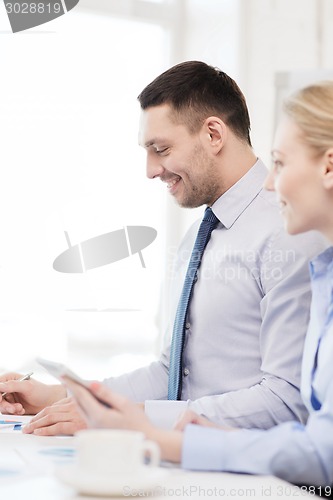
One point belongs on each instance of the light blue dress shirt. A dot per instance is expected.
(247, 317)
(294, 452)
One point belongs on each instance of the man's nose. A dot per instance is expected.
(154, 168)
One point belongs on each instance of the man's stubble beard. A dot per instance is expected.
(205, 190)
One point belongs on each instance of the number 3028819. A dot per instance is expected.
(33, 8)
(299, 491)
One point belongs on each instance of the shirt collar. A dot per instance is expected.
(230, 205)
(323, 263)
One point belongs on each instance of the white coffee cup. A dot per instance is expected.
(108, 452)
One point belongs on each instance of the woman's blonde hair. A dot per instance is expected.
(312, 110)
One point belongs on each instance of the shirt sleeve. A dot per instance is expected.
(285, 308)
(149, 382)
(294, 452)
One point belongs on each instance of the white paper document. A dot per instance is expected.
(163, 413)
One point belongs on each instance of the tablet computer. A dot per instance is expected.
(60, 370)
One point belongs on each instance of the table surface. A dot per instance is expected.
(42, 484)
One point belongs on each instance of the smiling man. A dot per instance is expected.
(237, 343)
(180, 159)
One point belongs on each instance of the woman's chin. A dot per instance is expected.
(292, 228)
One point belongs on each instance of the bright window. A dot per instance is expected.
(70, 162)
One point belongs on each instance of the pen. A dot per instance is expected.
(26, 377)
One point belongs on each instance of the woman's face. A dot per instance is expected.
(297, 178)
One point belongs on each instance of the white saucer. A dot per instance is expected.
(146, 480)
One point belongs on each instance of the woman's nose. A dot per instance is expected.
(269, 181)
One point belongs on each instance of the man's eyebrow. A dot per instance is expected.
(155, 140)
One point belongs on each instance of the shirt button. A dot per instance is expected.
(187, 325)
(186, 372)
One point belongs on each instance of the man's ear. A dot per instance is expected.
(328, 170)
(215, 132)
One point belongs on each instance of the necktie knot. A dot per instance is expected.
(209, 216)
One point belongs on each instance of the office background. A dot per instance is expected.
(70, 159)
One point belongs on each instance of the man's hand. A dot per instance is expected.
(122, 414)
(27, 396)
(63, 417)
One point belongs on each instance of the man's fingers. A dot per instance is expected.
(57, 423)
(63, 401)
(9, 405)
(92, 409)
(9, 386)
(66, 408)
(10, 376)
(58, 429)
(14, 386)
(11, 409)
(85, 400)
(50, 410)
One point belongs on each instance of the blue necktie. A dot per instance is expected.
(207, 225)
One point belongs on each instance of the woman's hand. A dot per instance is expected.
(122, 414)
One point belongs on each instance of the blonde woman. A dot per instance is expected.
(302, 176)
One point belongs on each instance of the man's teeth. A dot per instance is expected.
(172, 183)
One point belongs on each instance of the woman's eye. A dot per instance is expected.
(277, 165)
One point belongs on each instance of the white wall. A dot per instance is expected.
(279, 36)
(253, 41)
